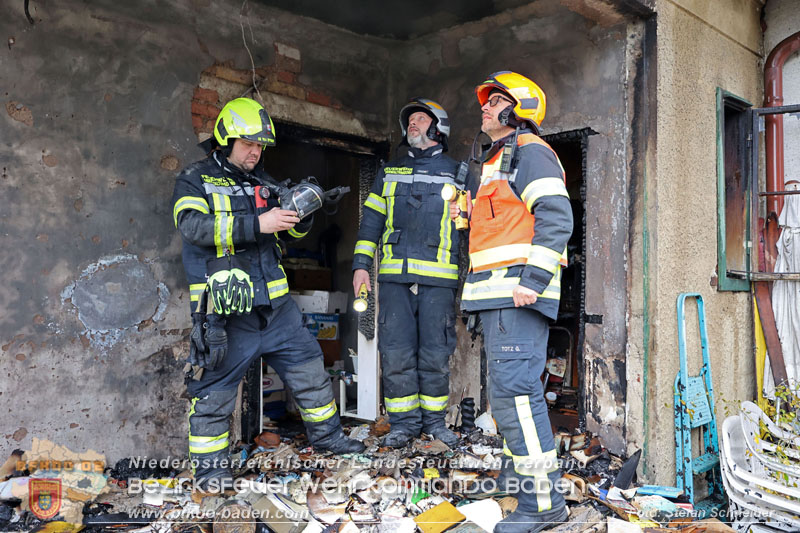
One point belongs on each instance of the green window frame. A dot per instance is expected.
(733, 190)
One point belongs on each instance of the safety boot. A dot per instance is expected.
(439, 431)
(397, 438)
(340, 444)
(212, 472)
(522, 522)
(507, 473)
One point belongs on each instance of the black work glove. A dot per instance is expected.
(216, 340)
(197, 341)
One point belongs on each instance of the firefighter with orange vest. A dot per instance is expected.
(520, 222)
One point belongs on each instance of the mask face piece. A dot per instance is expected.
(481, 148)
(303, 198)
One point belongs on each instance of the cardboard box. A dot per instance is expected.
(323, 326)
(320, 301)
(281, 514)
(439, 518)
(331, 350)
(318, 279)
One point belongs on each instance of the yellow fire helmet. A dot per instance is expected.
(244, 118)
(529, 99)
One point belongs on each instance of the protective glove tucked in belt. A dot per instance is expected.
(216, 340)
(197, 341)
(229, 285)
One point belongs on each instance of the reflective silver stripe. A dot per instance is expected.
(402, 405)
(376, 202)
(188, 202)
(283, 285)
(544, 258)
(318, 414)
(433, 403)
(228, 191)
(543, 187)
(498, 287)
(196, 290)
(366, 247)
(418, 178)
(206, 446)
(499, 176)
(476, 291)
(427, 178)
(399, 178)
(224, 222)
(439, 267)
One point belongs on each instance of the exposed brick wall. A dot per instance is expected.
(280, 77)
(205, 108)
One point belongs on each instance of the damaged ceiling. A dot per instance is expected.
(410, 19)
(397, 20)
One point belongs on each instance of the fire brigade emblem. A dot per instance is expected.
(44, 497)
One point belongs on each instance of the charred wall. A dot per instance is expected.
(101, 108)
(104, 103)
(582, 65)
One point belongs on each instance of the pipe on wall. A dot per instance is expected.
(773, 97)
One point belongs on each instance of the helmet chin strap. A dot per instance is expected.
(432, 133)
(505, 115)
(506, 118)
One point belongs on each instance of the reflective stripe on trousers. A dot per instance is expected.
(288, 347)
(516, 349)
(416, 335)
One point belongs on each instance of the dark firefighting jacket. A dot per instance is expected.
(215, 211)
(406, 216)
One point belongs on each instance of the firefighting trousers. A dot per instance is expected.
(287, 346)
(515, 341)
(416, 336)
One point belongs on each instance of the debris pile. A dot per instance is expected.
(281, 484)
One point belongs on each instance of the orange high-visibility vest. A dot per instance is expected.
(502, 226)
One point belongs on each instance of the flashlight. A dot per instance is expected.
(360, 304)
(452, 193)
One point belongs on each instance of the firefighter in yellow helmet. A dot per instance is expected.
(231, 258)
(519, 226)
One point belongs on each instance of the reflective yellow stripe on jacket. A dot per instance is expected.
(195, 291)
(223, 224)
(366, 248)
(377, 203)
(499, 286)
(296, 234)
(278, 287)
(189, 202)
(434, 269)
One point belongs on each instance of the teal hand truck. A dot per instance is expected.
(694, 409)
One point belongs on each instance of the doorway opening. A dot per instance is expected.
(565, 380)
(322, 260)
